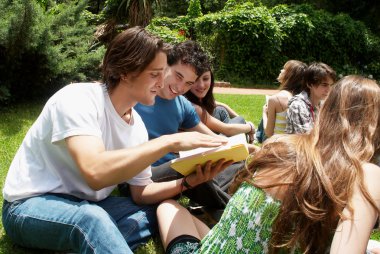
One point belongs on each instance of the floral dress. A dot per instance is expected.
(246, 224)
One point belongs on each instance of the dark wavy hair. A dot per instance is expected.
(319, 170)
(207, 102)
(189, 53)
(315, 73)
(130, 51)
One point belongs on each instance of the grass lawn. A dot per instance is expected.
(16, 120)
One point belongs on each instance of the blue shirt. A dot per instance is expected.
(167, 117)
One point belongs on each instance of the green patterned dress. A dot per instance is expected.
(246, 224)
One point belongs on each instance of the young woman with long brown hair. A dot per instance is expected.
(315, 192)
(291, 80)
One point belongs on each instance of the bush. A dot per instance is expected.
(43, 49)
(169, 36)
(251, 42)
(245, 42)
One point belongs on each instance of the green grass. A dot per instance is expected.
(16, 120)
(248, 106)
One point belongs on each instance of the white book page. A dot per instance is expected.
(232, 141)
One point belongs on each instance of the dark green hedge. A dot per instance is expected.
(250, 42)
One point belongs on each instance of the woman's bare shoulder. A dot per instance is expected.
(371, 173)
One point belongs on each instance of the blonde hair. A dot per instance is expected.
(320, 169)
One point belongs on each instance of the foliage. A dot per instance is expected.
(250, 42)
(175, 8)
(169, 36)
(210, 6)
(194, 9)
(335, 39)
(42, 50)
(245, 42)
(171, 8)
(364, 10)
(231, 4)
(133, 12)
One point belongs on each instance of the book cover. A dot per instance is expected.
(236, 149)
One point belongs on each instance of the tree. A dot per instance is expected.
(367, 11)
(120, 14)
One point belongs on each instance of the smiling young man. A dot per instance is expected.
(172, 112)
(303, 108)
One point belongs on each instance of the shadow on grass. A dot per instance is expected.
(26, 113)
(7, 247)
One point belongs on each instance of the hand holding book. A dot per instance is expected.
(235, 150)
(206, 172)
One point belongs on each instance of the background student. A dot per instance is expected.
(202, 98)
(299, 189)
(303, 108)
(291, 80)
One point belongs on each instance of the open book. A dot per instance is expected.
(236, 149)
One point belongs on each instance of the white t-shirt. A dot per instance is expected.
(43, 164)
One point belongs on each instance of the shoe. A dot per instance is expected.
(194, 208)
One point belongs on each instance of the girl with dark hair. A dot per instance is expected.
(315, 192)
(202, 98)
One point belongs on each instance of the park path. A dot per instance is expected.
(233, 90)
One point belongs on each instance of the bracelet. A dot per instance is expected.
(186, 184)
(250, 125)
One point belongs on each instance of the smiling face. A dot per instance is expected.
(202, 85)
(179, 78)
(147, 84)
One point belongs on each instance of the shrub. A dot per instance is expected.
(43, 49)
(251, 42)
(169, 36)
(245, 41)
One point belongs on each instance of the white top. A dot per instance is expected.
(42, 164)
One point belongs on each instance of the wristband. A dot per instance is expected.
(186, 184)
(250, 125)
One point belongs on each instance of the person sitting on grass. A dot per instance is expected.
(291, 80)
(205, 98)
(312, 192)
(202, 97)
(303, 108)
(87, 139)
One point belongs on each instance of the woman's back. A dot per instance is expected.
(249, 206)
(276, 112)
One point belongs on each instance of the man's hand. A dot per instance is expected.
(190, 140)
(207, 172)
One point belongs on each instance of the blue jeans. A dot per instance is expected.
(65, 223)
(222, 115)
